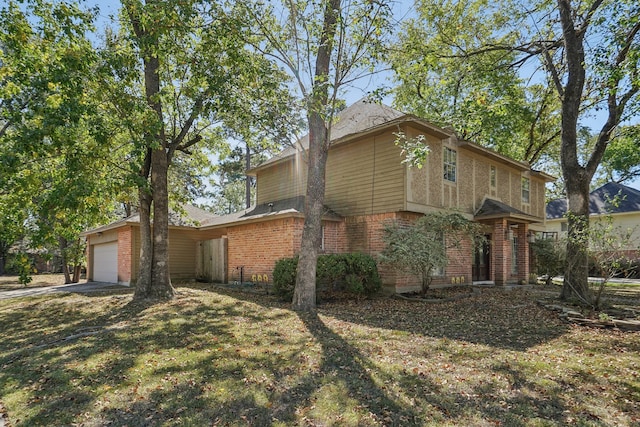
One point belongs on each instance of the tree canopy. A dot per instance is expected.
(55, 176)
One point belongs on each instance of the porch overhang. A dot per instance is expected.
(492, 209)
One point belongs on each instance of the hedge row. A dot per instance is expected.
(354, 273)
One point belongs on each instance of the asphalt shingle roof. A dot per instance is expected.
(293, 204)
(611, 198)
(492, 207)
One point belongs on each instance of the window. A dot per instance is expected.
(525, 189)
(450, 164)
(322, 247)
(564, 226)
(493, 176)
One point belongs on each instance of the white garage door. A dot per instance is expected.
(105, 262)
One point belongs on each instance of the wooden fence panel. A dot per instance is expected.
(211, 263)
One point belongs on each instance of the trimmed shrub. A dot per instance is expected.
(353, 273)
(284, 277)
(362, 275)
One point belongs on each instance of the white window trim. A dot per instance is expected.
(528, 189)
(446, 164)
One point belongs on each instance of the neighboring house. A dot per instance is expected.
(367, 183)
(617, 202)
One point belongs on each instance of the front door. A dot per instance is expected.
(481, 270)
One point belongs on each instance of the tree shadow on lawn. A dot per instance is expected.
(496, 381)
(503, 320)
(51, 338)
(66, 362)
(232, 361)
(343, 366)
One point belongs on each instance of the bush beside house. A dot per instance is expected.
(353, 273)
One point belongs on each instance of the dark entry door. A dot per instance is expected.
(481, 267)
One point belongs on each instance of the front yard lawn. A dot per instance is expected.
(219, 357)
(9, 283)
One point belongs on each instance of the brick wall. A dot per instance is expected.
(500, 261)
(522, 256)
(125, 249)
(332, 237)
(257, 246)
(365, 234)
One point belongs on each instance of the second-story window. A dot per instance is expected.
(450, 158)
(493, 176)
(525, 189)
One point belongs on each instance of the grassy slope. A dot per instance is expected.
(223, 358)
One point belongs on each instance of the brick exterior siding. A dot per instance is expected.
(125, 249)
(257, 246)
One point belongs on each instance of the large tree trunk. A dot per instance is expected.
(159, 284)
(77, 269)
(575, 285)
(577, 178)
(160, 279)
(304, 294)
(143, 282)
(62, 245)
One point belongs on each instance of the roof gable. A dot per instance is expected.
(492, 209)
(358, 117)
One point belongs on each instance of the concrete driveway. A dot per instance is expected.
(75, 287)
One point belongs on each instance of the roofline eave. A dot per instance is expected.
(528, 219)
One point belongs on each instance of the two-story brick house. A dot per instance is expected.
(367, 183)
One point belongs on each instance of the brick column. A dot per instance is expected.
(523, 253)
(125, 250)
(501, 252)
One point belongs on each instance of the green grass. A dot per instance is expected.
(9, 282)
(215, 357)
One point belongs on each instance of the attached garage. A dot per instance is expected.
(105, 262)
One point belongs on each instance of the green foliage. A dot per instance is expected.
(353, 273)
(361, 273)
(415, 150)
(422, 247)
(549, 257)
(621, 161)
(284, 277)
(482, 96)
(57, 170)
(21, 265)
